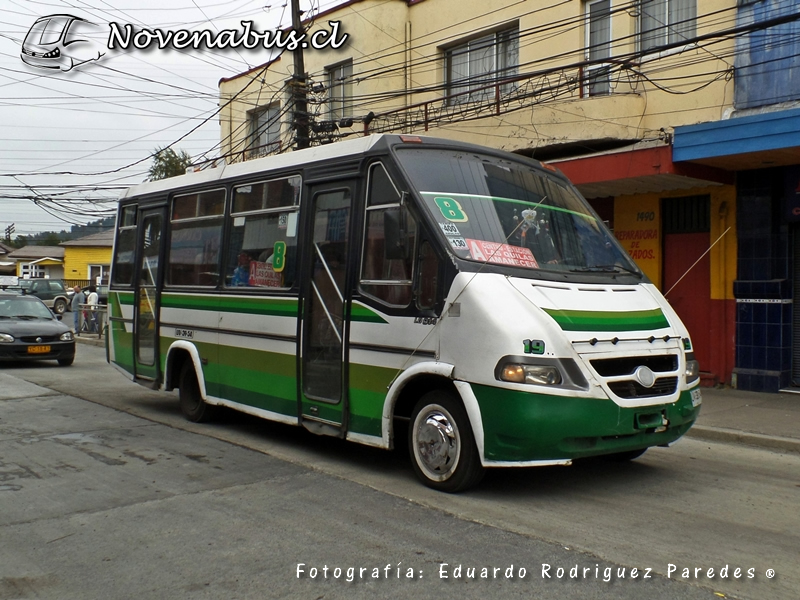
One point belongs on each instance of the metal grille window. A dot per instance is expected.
(598, 47)
(482, 62)
(340, 91)
(265, 130)
(688, 214)
(667, 22)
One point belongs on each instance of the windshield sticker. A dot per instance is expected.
(503, 254)
(458, 243)
(449, 229)
(451, 209)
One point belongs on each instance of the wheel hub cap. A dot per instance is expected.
(437, 443)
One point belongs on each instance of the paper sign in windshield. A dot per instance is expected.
(503, 254)
(262, 275)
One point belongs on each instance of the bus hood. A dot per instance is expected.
(594, 313)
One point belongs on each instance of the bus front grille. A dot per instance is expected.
(664, 386)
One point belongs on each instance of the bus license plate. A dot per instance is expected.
(38, 349)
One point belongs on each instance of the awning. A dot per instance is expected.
(638, 171)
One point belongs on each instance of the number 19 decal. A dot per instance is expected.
(451, 209)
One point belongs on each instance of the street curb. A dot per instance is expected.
(734, 436)
(92, 341)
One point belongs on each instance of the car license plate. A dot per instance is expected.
(38, 349)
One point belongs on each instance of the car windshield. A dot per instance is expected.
(499, 211)
(47, 31)
(20, 307)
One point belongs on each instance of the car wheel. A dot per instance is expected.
(193, 407)
(441, 444)
(65, 362)
(60, 306)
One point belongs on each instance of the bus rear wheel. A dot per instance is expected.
(441, 444)
(193, 407)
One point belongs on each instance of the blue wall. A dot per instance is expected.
(768, 61)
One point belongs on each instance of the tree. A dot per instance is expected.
(168, 163)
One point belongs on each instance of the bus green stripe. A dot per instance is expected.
(359, 312)
(586, 320)
(278, 307)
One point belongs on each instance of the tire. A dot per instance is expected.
(60, 306)
(625, 456)
(441, 444)
(65, 362)
(193, 407)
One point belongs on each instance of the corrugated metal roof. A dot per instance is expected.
(103, 238)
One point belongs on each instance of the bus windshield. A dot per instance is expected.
(498, 211)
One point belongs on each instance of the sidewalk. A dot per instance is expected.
(733, 416)
(757, 419)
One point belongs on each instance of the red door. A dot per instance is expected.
(691, 297)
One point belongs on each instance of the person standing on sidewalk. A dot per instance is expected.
(91, 300)
(77, 300)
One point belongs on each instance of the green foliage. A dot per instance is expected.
(52, 238)
(168, 163)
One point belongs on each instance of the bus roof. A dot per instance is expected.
(278, 161)
(297, 158)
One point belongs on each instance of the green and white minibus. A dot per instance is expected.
(400, 286)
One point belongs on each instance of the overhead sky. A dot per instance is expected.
(69, 140)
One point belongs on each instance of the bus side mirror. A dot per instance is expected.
(395, 235)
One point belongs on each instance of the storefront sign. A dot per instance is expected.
(637, 225)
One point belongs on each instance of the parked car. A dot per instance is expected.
(30, 331)
(52, 292)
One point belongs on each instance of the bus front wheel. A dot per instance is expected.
(193, 406)
(441, 444)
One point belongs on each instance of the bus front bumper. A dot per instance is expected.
(524, 427)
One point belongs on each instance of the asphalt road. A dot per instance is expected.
(119, 497)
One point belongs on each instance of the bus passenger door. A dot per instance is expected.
(325, 299)
(145, 316)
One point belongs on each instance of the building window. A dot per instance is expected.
(265, 131)
(667, 22)
(30, 271)
(598, 48)
(340, 91)
(482, 62)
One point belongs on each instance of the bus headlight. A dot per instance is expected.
(692, 368)
(536, 374)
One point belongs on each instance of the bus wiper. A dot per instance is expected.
(606, 269)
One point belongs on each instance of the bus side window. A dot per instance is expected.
(389, 242)
(262, 247)
(427, 277)
(125, 247)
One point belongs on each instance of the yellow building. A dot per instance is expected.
(605, 90)
(88, 258)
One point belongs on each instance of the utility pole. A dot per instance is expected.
(9, 230)
(299, 84)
